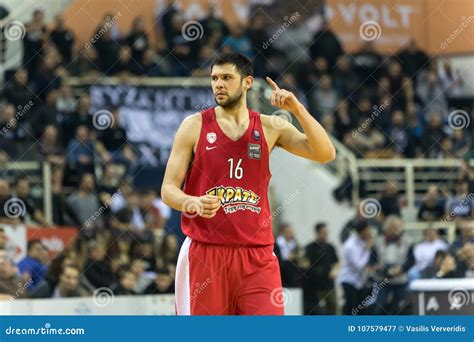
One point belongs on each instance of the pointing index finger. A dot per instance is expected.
(272, 83)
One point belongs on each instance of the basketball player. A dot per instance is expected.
(226, 265)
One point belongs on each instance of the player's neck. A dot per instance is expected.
(238, 114)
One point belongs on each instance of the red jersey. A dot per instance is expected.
(238, 172)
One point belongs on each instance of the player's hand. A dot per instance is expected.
(282, 98)
(205, 206)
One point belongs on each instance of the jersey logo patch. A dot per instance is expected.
(236, 198)
(255, 151)
(256, 134)
(211, 137)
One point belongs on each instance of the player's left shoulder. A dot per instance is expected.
(274, 122)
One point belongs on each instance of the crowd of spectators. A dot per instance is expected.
(379, 106)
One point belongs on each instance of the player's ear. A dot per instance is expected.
(248, 82)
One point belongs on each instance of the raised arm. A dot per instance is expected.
(313, 143)
(178, 163)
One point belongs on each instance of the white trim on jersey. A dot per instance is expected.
(182, 290)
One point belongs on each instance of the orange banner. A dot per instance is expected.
(445, 27)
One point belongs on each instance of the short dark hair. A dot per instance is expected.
(32, 243)
(440, 253)
(242, 63)
(20, 178)
(361, 226)
(319, 226)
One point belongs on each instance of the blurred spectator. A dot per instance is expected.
(239, 41)
(344, 119)
(461, 203)
(51, 148)
(63, 39)
(367, 64)
(20, 91)
(126, 282)
(466, 235)
(34, 39)
(431, 208)
(34, 264)
(413, 59)
(31, 212)
(431, 137)
(425, 252)
(183, 50)
(395, 255)
(106, 46)
(431, 93)
(326, 44)
(443, 266)
(129, 218)
(65, 288)
(85, 63)
(13, 133)
(325, 97)
(450, 79)
(46, 115)
(400, 139)
(85, 206)
(80, 155)
(65, 101)
(5, 197)
(345, 80)
(113, 142)
(10, 283)
(322, 268)
(356, 255)
(97, 268)
(286, 242)
(137, 40)
(152, 67)
(462, 143)
(366, 140)
(47, 77)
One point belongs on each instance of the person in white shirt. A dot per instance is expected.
(424, 253)
(356, 253)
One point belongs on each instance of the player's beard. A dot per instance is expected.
(231, 102)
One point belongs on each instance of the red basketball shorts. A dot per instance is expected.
(225, 280)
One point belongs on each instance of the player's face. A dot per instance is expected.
(228, 86)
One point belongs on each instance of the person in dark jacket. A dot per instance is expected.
(321, 272)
